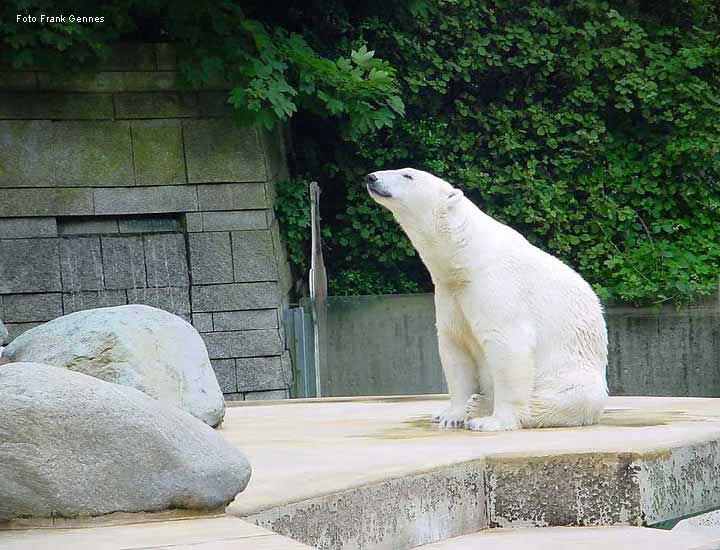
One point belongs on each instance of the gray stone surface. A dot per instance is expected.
(166, 260)
(29, 266)
(78, 301)
(173, 299)
(396, 513)
(87, 226)
(16, 329)
(261, 373)
(103, 81)
(25, 308)
(134, 345)
(155, 105)
(110, 448)
(266, 395)
(604, 490)
(253, 256)
(245, 320)
(3, 335)
(285, 278)
(81, 263)
(664, 351)
(144, 200)
(149, 224)
(236, 296)
(56, 106)
(144, 81)
(231, 196)
(286, 366)
(210, 258)
(202, 322)
(68, 201)
(378, 344)
(18, 81)
(101, 160)
(124, 262)
(25, 228)
(158, 152)
(65, 154)
(166, 56)
(226, 375)
(385, 344)
(193, 222)
(234, 221)
(243, 343)
(234, 397)
(86, 153)
(272, 143)
(217, 150)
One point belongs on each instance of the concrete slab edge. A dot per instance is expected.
(398, 513)
(577, 489)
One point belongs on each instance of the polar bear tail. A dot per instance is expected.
(579, 401)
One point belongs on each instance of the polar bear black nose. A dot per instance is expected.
(371, 178)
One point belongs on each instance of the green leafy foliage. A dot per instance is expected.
(592, 127)
(292, 208)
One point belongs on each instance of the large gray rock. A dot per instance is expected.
(139, 346)
(73, 445)
(3, 333)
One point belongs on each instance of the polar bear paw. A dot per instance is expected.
(492, 424)
(450, 417)
(478, 405)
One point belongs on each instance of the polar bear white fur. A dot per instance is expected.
(521, 336)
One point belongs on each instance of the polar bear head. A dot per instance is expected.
(418, 200)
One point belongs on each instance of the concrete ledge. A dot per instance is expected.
(310, 457)
(570, 538)
(432, 505)
(57, 106)
(215, 533)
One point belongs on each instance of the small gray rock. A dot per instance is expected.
(72, 445)
(139, 346)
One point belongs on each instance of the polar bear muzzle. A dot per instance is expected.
(375, 186)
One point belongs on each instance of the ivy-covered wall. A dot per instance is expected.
(116, 188)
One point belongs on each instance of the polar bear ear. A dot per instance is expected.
(454, 197)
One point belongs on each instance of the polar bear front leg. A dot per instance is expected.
(461, 375)
(512, 366)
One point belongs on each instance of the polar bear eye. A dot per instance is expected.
(407, 176)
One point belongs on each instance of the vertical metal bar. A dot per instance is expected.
(318, 287)
(292, 346)
(309, 332)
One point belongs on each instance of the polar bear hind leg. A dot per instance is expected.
(577, 400)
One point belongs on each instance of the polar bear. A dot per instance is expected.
(521, 336)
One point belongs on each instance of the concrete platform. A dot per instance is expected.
(576, 538)
(376, 474)
(217, 533)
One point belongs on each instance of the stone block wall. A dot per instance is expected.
(117, 188)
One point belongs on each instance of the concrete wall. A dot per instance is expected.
(386, 345)
(115, 188)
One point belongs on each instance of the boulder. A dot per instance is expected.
(139, 346)
(72, 445)
(3, 333)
